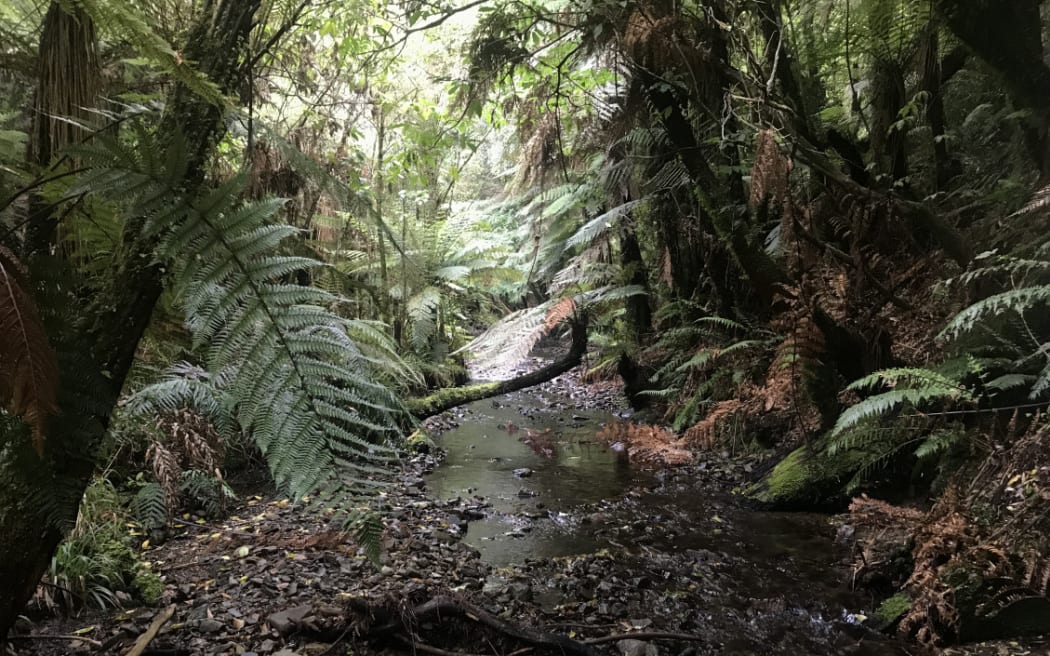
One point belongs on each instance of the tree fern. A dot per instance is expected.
(28, 365)
(299, 383)
(124, 20)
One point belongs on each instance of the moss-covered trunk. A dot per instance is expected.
(453, 397)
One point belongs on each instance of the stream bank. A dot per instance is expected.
(593, 548)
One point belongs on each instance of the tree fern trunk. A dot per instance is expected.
(40, 496)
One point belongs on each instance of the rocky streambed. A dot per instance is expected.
(519, 512)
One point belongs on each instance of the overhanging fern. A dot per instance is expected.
(297, 381)
(911, 386)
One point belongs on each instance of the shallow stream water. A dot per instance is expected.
(578, 496)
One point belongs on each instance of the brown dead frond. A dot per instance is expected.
(167, 470)
(559, 312)
(706, 433)
(28, 366)
(646, 443)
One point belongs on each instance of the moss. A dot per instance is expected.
(149, 586)
(418, 442)
(891, 610)
(789, 479)
(810, 476)
(449, 398)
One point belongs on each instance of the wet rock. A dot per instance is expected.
(210, 625)
(495, 585)
(286, 621)
(637, 648)
(523, 472)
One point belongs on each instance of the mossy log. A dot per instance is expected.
(451, 397)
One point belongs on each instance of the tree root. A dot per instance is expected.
(400, 627)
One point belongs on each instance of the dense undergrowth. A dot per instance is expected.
(811, 230)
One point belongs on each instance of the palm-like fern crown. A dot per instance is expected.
(296, 378)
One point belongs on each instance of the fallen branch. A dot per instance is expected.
(401, 624)
(427, 649)
(154, 628)
(53, 636)
(645, 635)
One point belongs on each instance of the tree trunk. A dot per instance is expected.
(96, 338)
(453, 397)
(1007, 35)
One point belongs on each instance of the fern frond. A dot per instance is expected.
(28, 366)
(600, 224)
(149, 506)
(882, 404)
(299, 383)
(422, 309)
(939, 442)
(124, 20)
(367, 529)
(1008, 382)
(185, 386)
(920, 378)
(1015, 300)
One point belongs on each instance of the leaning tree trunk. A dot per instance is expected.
(453, 397)
(96, 338)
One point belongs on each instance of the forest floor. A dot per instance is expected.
(273, 580)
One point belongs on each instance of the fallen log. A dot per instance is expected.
(451, 397)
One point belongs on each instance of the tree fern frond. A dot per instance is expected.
(298, 382)
(1015, 300)
(124, 20)
(422, 310)
(600, 224)
(28, 366)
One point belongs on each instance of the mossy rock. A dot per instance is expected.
(810, 477)
(418, 442)
(890, 612)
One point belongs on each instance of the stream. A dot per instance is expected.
(553, 490)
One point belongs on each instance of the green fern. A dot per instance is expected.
(124, 20)
(940, 442)
(300, 384)
(367, 528)
(206, 492)
(1015, 300)
(149, 506)
(913, 387)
